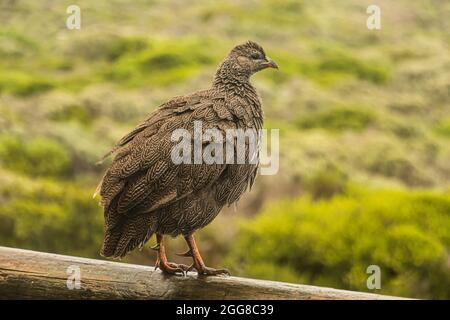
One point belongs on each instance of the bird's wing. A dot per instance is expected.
(143, 177)
(155, 119)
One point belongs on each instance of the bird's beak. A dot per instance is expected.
(270, 63)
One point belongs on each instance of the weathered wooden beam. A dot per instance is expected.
(26, 274)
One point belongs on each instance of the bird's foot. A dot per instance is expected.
(199, 265)
(201, 268)
(207, 271)
(172, 268)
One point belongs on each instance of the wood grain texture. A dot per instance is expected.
(26, 274)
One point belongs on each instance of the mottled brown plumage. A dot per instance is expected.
(144, 192)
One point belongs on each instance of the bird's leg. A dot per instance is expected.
(161, 260)
(199, 265)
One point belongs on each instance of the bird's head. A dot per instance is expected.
(250, 58)
(245, 60)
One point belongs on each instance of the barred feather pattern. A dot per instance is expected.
(144, 192)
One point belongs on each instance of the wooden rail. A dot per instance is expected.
(26, 274)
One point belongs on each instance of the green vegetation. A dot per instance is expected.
(161, 62)
(338, 119)
(36, 157)
(354, 107)
(444, 128)
(331, 242)
(23, 84)
(44, 215)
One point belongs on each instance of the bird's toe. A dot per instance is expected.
(172, 268)
(181, 266)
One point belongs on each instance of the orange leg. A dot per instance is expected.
(161, 260)
(199, 265)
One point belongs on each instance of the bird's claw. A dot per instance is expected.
(173, 268)
(180, 266)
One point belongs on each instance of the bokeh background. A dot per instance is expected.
(364, 119)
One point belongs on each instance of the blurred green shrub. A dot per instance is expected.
(104, 46)
(14, 44)
(403, 129)
(126, 45)
(338, 119)
(391, 161)
(162, 63)
(344, 63)
(72, 113)
(326, 182)
(443, 128)
(35, 156)
(328, 65)
(49, 216)
(23, 83)
(332, 242)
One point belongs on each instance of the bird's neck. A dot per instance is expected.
(238, 86)
(235, 85)
(228, 78)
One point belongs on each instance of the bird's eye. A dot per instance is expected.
(255, 56)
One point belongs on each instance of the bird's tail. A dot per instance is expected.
(132, 232)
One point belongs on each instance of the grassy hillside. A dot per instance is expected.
(354, 107)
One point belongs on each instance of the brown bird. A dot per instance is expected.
(144, 192)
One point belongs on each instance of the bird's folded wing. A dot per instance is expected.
(143, 177)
